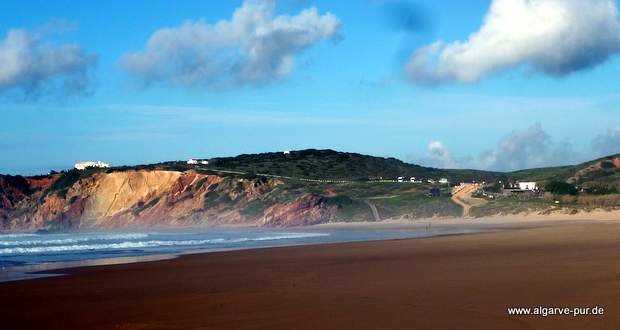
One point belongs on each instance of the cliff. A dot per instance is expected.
(300, 188)
(142, 198)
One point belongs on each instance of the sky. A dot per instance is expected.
(496, 84)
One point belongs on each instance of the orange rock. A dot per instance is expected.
(143, 198)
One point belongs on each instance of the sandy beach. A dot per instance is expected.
(461, 281)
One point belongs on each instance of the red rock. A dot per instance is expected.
(143, 198)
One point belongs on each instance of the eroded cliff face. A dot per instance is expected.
(597, 169)
(12, 190)
(143, 198)
(306, 210)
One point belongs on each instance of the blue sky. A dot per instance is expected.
(350, 88)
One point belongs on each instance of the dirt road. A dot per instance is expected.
(462, 193)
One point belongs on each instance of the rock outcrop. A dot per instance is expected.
(597, 169)
(306, 210)
(145, 198)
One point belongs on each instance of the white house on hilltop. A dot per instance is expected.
(85, 165)
(528, 186)
(193, 161)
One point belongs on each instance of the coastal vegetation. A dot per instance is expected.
(294, 188)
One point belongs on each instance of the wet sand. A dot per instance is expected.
(464, 281)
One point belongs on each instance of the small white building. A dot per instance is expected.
(444, 181)
(193, 161)
(430, 181)
(528, 186)
(401, 179)
(286, 152)
(85, 165)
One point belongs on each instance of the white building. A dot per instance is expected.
(528, 186)
(85, 165)
(444, 181)
(401, 179)
(286, 152)
(193, 161)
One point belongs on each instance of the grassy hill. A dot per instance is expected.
(345, 184)
(601, 172)
(591, 185)
(330, 164)
(335, 165)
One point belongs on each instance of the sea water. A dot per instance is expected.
(22, 253)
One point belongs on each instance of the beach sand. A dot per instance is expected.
(449, 282)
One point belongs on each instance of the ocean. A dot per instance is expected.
(23, 253)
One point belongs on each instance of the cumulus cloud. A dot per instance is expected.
(437, 155)
(607, 143)
(253, 47)
(529, 148)
(554, 37)
(31, 67)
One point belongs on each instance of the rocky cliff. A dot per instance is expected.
(142, 198)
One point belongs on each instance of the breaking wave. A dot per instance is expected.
(46, 247)
(17, 235)
(43, 241)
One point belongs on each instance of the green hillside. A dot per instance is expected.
(601, 172)
(330, 164)
(335, 165)
(587, 186)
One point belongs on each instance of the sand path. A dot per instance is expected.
(462, 193)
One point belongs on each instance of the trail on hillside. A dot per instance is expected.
(373, 208)
(462, 194)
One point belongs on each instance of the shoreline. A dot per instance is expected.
(453, 226)
(456, 281)
(595, 215)
(22, 272)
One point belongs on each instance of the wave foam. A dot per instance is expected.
(43, 241)
(149, 244)
(17, 235)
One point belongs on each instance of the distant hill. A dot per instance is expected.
(599, 173)
(283, 189)
(330, 164)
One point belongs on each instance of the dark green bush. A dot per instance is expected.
(561, 188)
(602, 190)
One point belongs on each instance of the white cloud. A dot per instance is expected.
(29, 66)
(529, 148)
(607, 143)
(554, 37)
(253, 47)
(437, 155)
